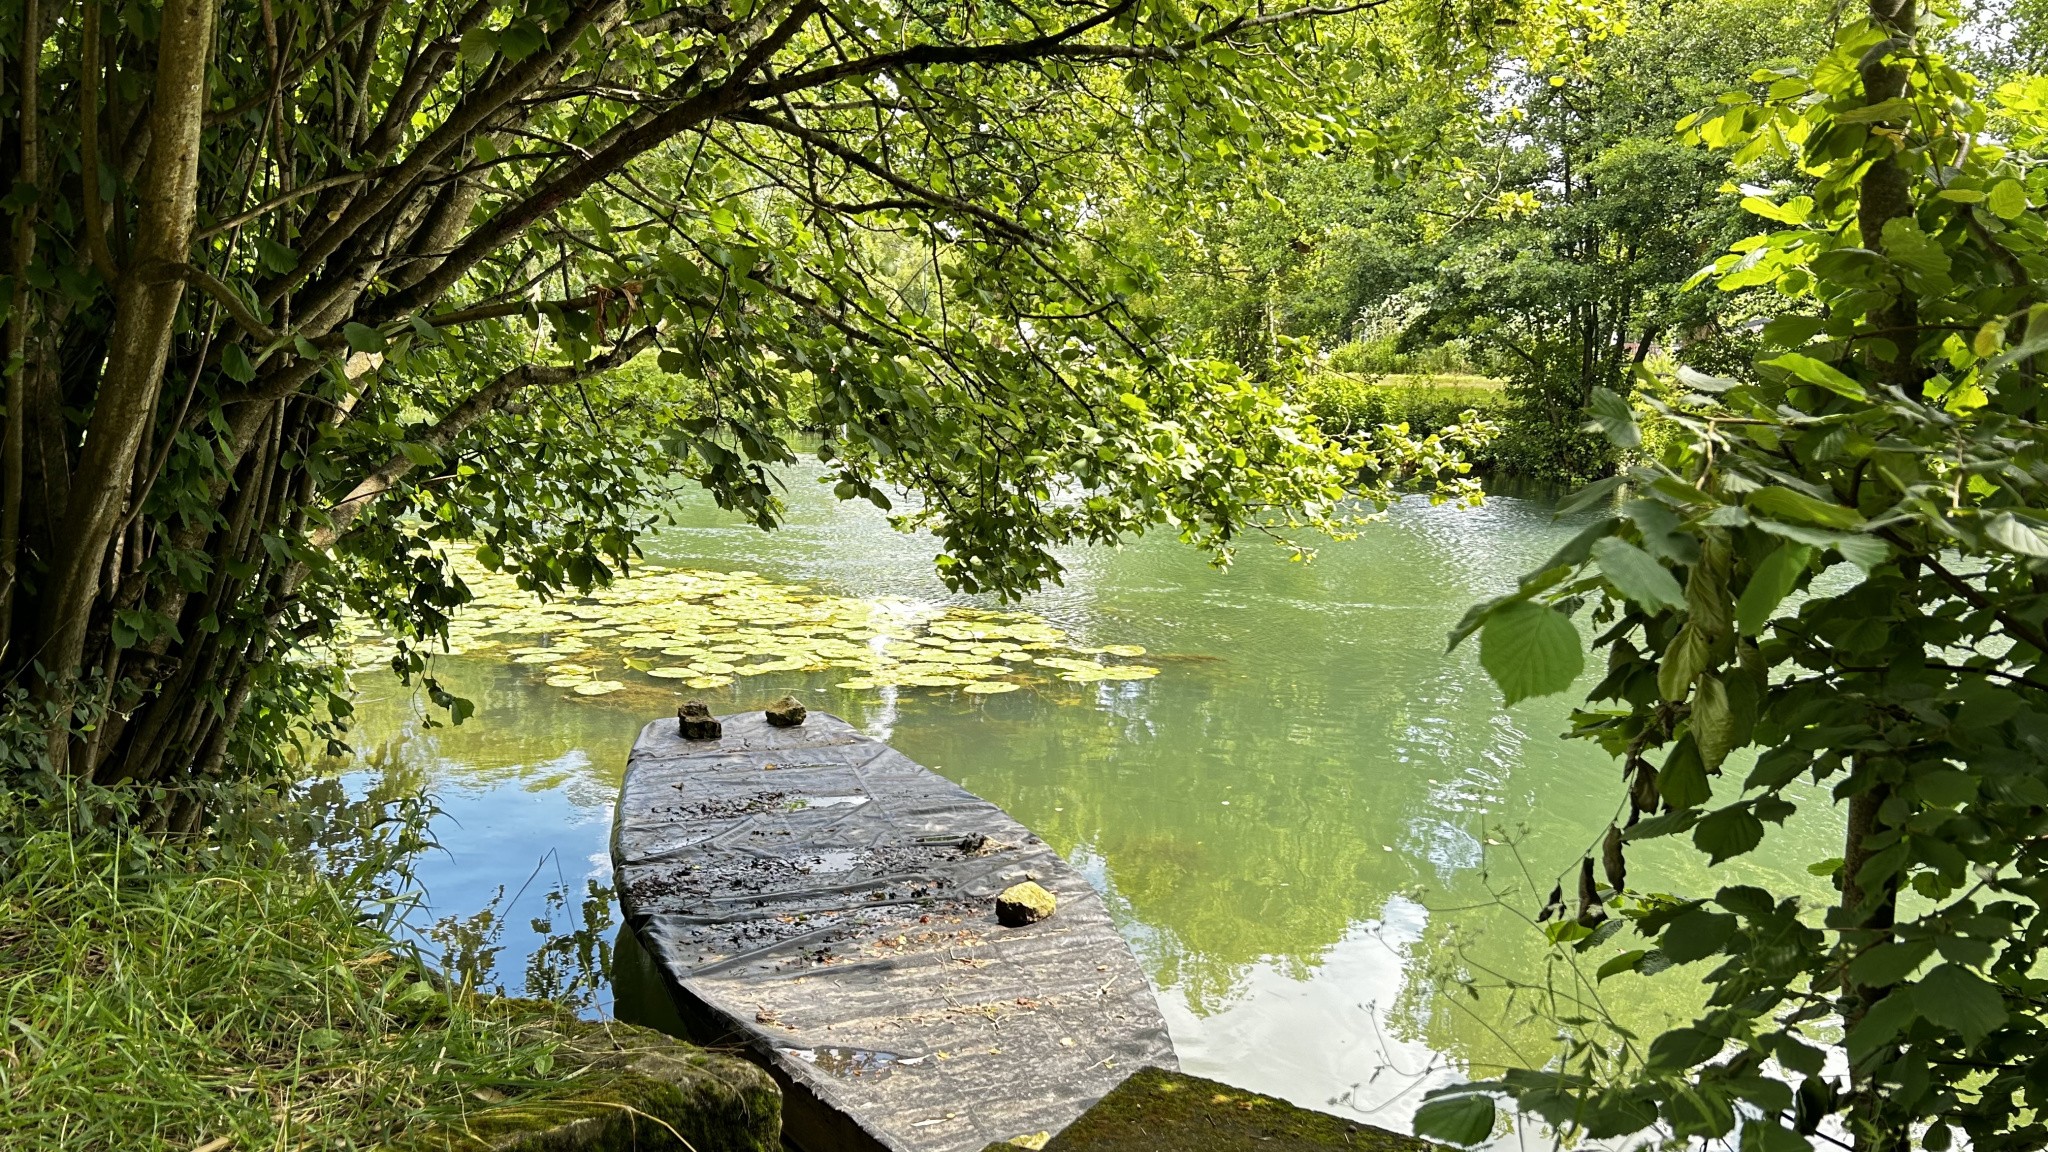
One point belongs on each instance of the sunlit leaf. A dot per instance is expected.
(1530, 650)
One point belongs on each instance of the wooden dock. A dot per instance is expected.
(813, 895)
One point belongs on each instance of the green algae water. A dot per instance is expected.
(1323, 836)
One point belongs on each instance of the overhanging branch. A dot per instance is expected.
(457, 420)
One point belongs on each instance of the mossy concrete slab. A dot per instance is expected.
(637, 1091)
(1157, 1111)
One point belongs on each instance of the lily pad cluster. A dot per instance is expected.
(704, 630)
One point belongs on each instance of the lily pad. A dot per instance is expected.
(710, 627)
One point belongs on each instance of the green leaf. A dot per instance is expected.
(1908, 246)
(1729, 832)
(1530, 650)
(1638, 575)
(1865, 552)
(1590, 495)
(1884, 1021)
(2017, 535)
(1702, 382)
(520, 39)
(478, 45)
(1959, 999)
(1682, 782)
(1791, 331)
(2008, 199)
(1575, 550)
(364, 338)
(1625, 962)
(1696, 935)
(235, 364)
(1681, 1048)
(1788, 504)
(1461, 1119)
(1767, 1135)
(1713, 721)
(1888, 963)
(274, 256)
(1683, 661)
(2033, 340)
(1793, 211)
(1611, 415)
(1896, 110)
(1804, 1059)
(1818, 373)
(1945, 787)
(1769, 585)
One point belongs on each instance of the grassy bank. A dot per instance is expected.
(1347, 403)
(234, 996)
(1342, 401)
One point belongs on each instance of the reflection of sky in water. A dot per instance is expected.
(1364, 1069)
(1269, 820)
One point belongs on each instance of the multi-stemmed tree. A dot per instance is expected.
(298, 289)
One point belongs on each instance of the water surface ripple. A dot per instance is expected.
(1299, 823)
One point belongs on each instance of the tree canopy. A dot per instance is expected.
(303, 291)
(1533, 220)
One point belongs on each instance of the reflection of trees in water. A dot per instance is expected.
(1247, 818)
(1356, 760)
(382, 815)
(522, 735)
(1484, 983)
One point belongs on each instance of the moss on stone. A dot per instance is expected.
(634, 1090)
(1025, 903)
(1156, 1109)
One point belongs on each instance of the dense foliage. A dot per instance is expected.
(303, 291)
(1534, 220)
(1821, 605)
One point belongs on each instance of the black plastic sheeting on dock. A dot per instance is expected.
(815, 895)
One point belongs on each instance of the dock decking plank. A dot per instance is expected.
(818, 896)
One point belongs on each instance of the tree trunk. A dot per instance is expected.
(1865, 919)
(1885, 193)
(145, 308)
(14, 360)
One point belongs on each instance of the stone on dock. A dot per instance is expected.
(695, 721)
(787, 712)
(1025, 903)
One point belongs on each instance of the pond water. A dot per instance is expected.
(1312, 825)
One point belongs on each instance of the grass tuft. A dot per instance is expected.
(234, 996)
